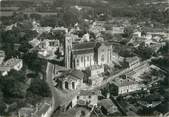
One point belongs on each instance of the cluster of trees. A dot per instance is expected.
(144, 52)
(165, 49)
(34, 63)
(16, 38)
(15, 87)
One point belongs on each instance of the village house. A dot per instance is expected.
(107, 106)
(137, 34)
(155, 31)
(117, 30)
(97, 27)
(8, 65)
(60, 29)
(125, 85)
(70, 80)
(44, 111)
(26, 112)
(95, 75)
(48, 47)
(39, 29)
(35, 42)
(133, 61)
(88, 98)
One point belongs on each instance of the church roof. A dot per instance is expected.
(86, 51)
(85, 45)
(77, 73)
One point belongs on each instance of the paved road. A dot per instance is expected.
(59, 97)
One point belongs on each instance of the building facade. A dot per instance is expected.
(48, 47)
(96, 76)
(2, 56)
(87, 98)
(71, 80)
(104, 54)
(85, 54)
(68, 51)
(125, 86)
(13, 63)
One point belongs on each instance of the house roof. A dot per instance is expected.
(124, 82)
(89, 93)
(132, 59)
(107, 104)
(85, 45)
(147, 29)
(77, 73)
(11, 62)
(7, 65)
(42, 110)
(83, 48)
(83, 51)
(27, 111)
(2, 68)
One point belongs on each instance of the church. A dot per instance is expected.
(80, 55)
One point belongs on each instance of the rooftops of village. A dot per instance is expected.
(124, 81)
(35, 42)
(83, 51)
(147, 29)
(60, 29)
(90, 92)
(108, 105)
(95, 70)
(85, 45)
(132, 59)
(149, 105)
(42, 110)
(83, 48)
(94, 67)
(99, 23)
(77, 73)
(72, 74)
(26, 112)
(11, 62)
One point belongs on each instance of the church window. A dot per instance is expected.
(66, 85)
(81, 58)
(77, 62)
(51, 43)
(87, 58)
(73, 85)
(102, 58)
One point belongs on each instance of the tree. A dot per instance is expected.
(128, 32)
(2, 104)
(25, 47)
(35, 16)
(49, 21)
(60, 35)
(165, 49)
(143, 51)
(13, 85)
(39, 87)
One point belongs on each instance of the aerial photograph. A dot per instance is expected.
(84, 58)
